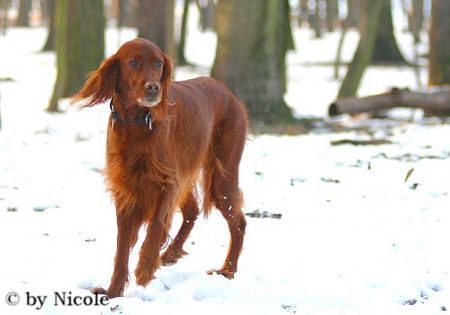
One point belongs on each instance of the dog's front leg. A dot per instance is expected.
(157, 232)
(128, 225)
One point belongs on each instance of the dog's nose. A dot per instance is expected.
(152, 87)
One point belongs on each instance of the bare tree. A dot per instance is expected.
(250, 56)
(314, 17)
(49, 8)
(386, 48)
(4, 6)
(354, 12)
(364, 52)
(155, 22)
(24, 11)
(207, 10)
(332, 11)
(439, 56)
(183, 30)
(80, 45)
(416, 19)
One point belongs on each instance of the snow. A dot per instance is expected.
(354, 237)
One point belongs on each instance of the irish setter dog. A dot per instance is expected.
(162, 137)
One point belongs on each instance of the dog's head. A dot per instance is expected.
(139, 74)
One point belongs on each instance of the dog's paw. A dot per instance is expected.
(99, 290)
(171, 256)
(143, 276)
(226, 273)
(109, 293)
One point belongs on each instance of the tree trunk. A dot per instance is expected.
(207, 14)
(4, 6)
(364, 52)
(250, 55)
(289, 37)
(50, 6)
(24, 11)
(337, 63)
(439, 56)
(434, 102)
(354, 13)
(181, 45)
(332, 14)
(302, 12)
(155, 22)
(80, 45)
(386, 48)
(314, 17)
(288, 40)
(124, 12)
(416, 19)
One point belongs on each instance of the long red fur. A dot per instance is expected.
(198, 132)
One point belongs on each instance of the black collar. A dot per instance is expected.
(145, 120)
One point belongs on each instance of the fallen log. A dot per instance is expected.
(434, 102)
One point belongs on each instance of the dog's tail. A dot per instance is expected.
(212, 168)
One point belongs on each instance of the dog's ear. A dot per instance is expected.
(101, 84)
(166, 77)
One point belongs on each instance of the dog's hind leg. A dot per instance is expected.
(230, 205)
(175, 250)
(225, 192)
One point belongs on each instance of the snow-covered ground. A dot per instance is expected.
(354, 237)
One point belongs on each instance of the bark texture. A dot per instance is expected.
(155, 22)
(364, 52)
(386, 48)
(439, 56)
(250, 56)
(80, 45)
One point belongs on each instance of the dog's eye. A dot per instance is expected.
(133, 63)
(159, 64)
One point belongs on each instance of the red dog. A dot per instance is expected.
(162, 136)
